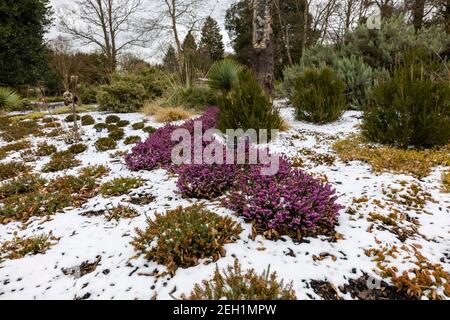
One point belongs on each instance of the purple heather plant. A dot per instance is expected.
(291, 202)
(156, 151)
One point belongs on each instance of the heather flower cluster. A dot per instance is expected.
(156, 151)
(289, 203)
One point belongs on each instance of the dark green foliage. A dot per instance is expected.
(149, 129)
(123, 95)
(10, 170)
(138, 126)
(100, 126)
(132, 140)
(70, 118)
(120, 186)
(88, 94)
(16, 130)
(247, 107)
(105, 144)
(112, 119)
(211, 44)
(181, 237)
(117, 135)
(410, 109)
(112, 127)
(77, 148)
(87, 120)
(318, 96)
(170, 62)
(122, 123)
(23, 56)
(224, 75)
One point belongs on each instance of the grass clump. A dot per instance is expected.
(170, 114)
(120, 186)
(16, 146)
(44, 150)
(181, 237)
(132, 140)
(12, 169)
(105, 144)
(138, 125)
(61, 161)
(87, 120)
(122, 123)
(77, 148)
(417, 163)
(117, 134)
(20, 247)
(112, 119)
(121, 212)
(234, 284)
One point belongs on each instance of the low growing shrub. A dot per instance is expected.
(149, 129)
(120, 186)
(319, 96)
(121, 212)
(44, 150)
(234, 284)
(61, 161)
(117, 134)
(70, 118)
(105, 144)
(410, 109)
(77, 148)
(16, 146)
(20, 247)
(12, 169)
(112, 119)
(20, 185)
(138, 125)
(132, 140)
(122, 95)
(192, 97)
(181, 237)
(100, 126)
(122, 123)
(171, 114)
(87, 120)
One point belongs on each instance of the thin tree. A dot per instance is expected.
(106, 24)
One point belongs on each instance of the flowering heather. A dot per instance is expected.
(156, 151)
(289, 203)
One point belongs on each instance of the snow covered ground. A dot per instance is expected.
(117, 275)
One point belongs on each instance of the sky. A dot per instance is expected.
(217, 8)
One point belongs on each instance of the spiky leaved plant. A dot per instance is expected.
(224, 75)
(8, 98)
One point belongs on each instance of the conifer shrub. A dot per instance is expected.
(15, 146)
(12, 169)
(61, 161)
(122, 95)
(77, 148)
(112, 127)
(156, 151)
(132, 140)
(291, 202)
(319, 96)
(247, 107)
(120, 212)
(117, 134)
(149, 129)
(412, 108)
(112, 119)
(358, 79)
(20, 247)
(138, 125)
(122, 123)
(71, 117)
(100, 126)
(44, 150)
(181, 237)
(236, 284)
(87, 120)
(120, 186)
(105, 144)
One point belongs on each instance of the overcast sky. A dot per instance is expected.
(217, 8)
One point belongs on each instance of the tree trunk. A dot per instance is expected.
(418, 13)
(263, 49)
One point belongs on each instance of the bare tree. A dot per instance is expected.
(106, 24)
(263, 63)
(61, 59)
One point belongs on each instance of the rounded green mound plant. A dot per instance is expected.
(77, 148)
(195, 97)
(105, 144)
(181, 237)
(132, 140)
(100, 126)
(224, 75)
(149, 129)
(234, 284)
(112, 119)
(61, 161)
(117, 134)
(45, 149)
(120, 186)
(70, 118)
(319, 96)
(248, 107)
(412, 108)
(8, 98)
(122, 123)
(122, 95)
(138, 126)
(87, 120)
